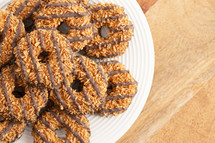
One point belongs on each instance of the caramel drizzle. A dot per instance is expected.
(63, 72)
(64, 15)
(119, 97)
(106, 44)
(22, 6)
(26, 78)
(34, 9)
(18, 135)
(41, 135)
(102, 8)
(69, 128)
(61, 4)
(6, 96)
(79, 39)
(110, 56)
(35, 67)
(108, 18)
(7, 129)
(5, 31)
(92, 81)
(50, 72)
(111, 110)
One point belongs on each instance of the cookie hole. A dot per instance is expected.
(77, 85)
(29, 24)
(2, 119)
(19, 91)
(104, 32)
(1, 38)
(109, 88)
(43, 57)
(61, 133)
(64, 28)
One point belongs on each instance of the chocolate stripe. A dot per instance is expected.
(79, 122)
(108, 18)
(102, 74)
(70, 51)
(122, 28)
(27, 80)
(22, 6)
(18, 135)
(111, 73)
(119, 97)
(18, 31)
(24, 109)
(6, 96)
(4, 32)
(125, 83)
(7, 129)
(41, 135)
(81, 27)
(92, 81)
(35, 67)
(46, 28)
(61, 4)
(102, 8)
(46, 123)
(111, 110)
(63, 72)
(64, 15)
(70, 129)
(37, 5)
(106, 44)
(50, 73)
(87, 99)
(78, 39)
(108, 63)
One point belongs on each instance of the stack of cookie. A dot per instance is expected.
(48, 77)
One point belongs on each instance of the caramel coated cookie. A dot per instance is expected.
(44, 58)
(84, 91)
(76, 127)
(10, 131)
(121, 89)
(70, 18)
(19, 100)
(113, 31)
(11, 29)
(24, 10)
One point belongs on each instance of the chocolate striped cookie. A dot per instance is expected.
(76, 127)
(113, 31)
(70, 19)
(84, 91)
(24, 10)
(10, 131)
(44, 58)
(19, 100)
(121, 88)
(11, 30)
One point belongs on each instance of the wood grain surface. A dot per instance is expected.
(180, 107)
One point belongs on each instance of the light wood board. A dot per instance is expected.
(184, 37)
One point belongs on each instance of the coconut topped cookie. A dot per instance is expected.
(11, 30)
(113, 31)
(44, 58)
(70, 19)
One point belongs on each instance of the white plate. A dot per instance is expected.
(139, 59)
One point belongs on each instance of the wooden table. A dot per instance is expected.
(180, 108)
